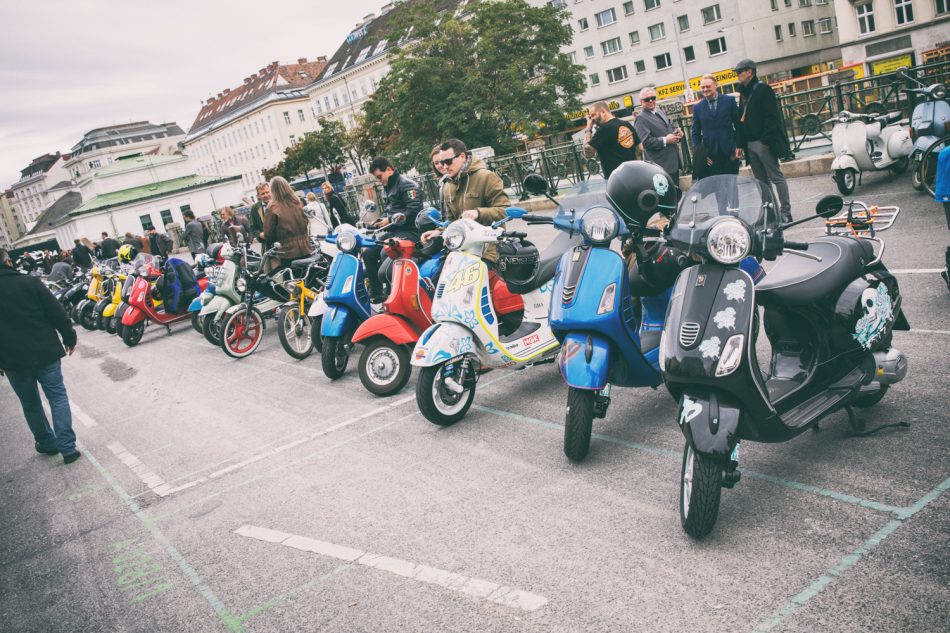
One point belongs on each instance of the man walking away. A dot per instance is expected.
(31, 324)
(159, 243)
(658, 135)
(763, 133)
(194, 234)
(81, 255)
(614, 142)
(716, 129)
(109, 246)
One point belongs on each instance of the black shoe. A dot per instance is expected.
(46, 451)
(69, 459)
(946, 278)
(786, 218)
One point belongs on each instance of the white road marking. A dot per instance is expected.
(155, 483)
(81, 415)
(919, 331)
(916, 271)
(484, 589)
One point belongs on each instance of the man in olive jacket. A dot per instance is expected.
(470, 190)
(31, 324)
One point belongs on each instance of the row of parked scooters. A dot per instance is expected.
(679, 307)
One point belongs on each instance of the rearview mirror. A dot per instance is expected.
(535, 184)
(829, 206)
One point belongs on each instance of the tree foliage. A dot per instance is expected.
(486, 77)
(324, 149)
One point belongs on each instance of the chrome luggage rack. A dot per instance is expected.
(859, 220)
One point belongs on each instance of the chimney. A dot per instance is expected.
(301, 60)
(226, 91)
(247, 80)
(358, 25)
(322, 58)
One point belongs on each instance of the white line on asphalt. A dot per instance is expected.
(914, 330)
(155, 483)
(80, 415)
(916, 271)
(484, 589)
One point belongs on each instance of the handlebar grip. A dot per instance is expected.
(537, 219)
(796, 246)
(516, 234)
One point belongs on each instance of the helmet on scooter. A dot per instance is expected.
(638, 189)
(424, 222)
(518, 263)
(127, 253)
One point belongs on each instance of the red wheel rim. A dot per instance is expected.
(245, 334)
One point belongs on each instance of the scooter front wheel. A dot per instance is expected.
(211, 328)
(438, 401)
(242, 333)
(578, 423)
(384, 367)
(87, 317)
(846, 179)
(335, 355)
(132, 334)
(700, 492)
(111, 324)
(196, 322)
(294, 332)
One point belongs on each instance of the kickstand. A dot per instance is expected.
(859, 426)
(168, 330)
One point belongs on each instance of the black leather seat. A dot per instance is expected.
(549, 259)
(797, 280)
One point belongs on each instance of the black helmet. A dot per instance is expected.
(424, 222)
(638, 189)
(518, 262)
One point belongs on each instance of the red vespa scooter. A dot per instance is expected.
(143, 307)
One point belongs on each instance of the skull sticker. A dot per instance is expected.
(661, 184)
(878, 312)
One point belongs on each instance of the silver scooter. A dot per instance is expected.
(867, 142)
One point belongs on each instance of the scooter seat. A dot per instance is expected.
(304, 262)
(548, 260)
(797, 280)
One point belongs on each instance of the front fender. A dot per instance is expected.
(132, 316)
(844, 161)
(218, 304)
(318, 308)
(584, 360)
(709, 420)
(337, 321)
(195, 305)
(109, 310)
(443, 341)
(394, 328)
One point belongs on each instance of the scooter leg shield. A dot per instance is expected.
(394, 328)
(584, 360)
(709, 419)
(337, 321)
(443, 341)
(218, 304)
(318, 307)
(132, 316)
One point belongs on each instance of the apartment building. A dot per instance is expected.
(38, 187)
(102, 146)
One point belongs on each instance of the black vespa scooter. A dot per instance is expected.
(830, 307)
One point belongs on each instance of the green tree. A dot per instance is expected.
(323, 149)
(486, 76)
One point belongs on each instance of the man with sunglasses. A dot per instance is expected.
(470, 191)
(658, 135)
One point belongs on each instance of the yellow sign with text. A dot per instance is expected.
(890, 65)
(677, 89)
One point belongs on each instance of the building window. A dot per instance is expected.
(718, 45)
(634, 38)
(628, 7)
(657, 32)
(791, 29)
(640, 66)
(319, 109)
(821, 2)
(293, 140)
(711, 14)
(865, 18)
(943, 6)
(824, 26)
(95, 164)
(582, 24)
(775, 5)
(146, 221)
(778, 32)
(611, 46)
(301, 115)
(588, 51)
(788, 3)
(594, 79)
(336, 101)
(689, 54)
(166, 216)
(573, 56)
(649, 5)
(287, 118)
(663, 61)
(905, 11)
(605, 18)
(683, 22)
(804, 3)
(808, 28)
(616, 74)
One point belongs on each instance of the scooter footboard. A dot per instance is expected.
(337, 321)
(584, 360)
(443, 341)
(710, 420)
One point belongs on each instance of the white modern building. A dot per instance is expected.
(887, 34)
(100, 147)
(10, 228)
(138, 192)
(34, 191)
(245, 130)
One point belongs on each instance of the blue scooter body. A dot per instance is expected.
(346, 296)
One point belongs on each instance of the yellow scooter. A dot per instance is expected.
(86, 307)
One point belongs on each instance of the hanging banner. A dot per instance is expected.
(885, 66)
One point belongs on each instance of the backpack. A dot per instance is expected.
(179, 285)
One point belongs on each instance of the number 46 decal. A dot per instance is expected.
(464, 277)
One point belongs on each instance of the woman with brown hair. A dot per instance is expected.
(232, 225)
(285, 222)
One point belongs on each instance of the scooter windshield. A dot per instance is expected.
(584, 195)
(716, 196)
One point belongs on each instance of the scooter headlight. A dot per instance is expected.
(240, 284)
(346, 241)
(728, 241)
(600, 225)
(454, 236)
(939, 92)
(843, 117)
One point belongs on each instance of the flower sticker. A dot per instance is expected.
(710, 347)
(726, 319)
(735, 291)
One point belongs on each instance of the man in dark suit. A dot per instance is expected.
(258, 211)
(716, 128)
(658, 136)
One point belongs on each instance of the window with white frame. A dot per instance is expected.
(824, 26)
(711, 14)
(778, 32)
(380, 47)
(649, 5)
(657, 32)
(792, 32)
(821, 2)
(582, 24)
(865, 13)
(301, 116)
(616, 74)
(716, 46)
(593, 79)
(775, 5)
(628, 7)
(330, 69)
(286, 118)
(363, 54)
(605, 18)
(293, 139)
(634, 38)
(689, 55)
(904, 10)
(942, 6)
(808, 28)
(663, 61)
(573, 56)
(804, 3)
(611, 46)
(683, 23)
(588, 52)
(640, 66)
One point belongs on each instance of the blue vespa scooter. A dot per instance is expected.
(929, 122)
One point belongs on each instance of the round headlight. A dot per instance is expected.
(843, 116)
(454, 236)
(346, 241)
(241, 284)
(599, 225)
(939, 91)
(728, 241)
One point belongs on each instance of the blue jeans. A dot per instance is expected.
(25, 384)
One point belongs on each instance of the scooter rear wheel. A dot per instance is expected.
(439, 404)
(293, 330)
(132, 334)
(242, 333)
(384, 367)
(578, 423)
(87, 317)
(700, 492)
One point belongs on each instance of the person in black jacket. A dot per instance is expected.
(81, 254)
(403, 202)
(258, 211)
(336, 206)
(109, 246)
(31, 324)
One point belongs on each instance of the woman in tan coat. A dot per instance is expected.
(285, 222)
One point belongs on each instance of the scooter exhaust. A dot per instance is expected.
(891, 366)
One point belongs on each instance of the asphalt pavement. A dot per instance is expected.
(256, 495)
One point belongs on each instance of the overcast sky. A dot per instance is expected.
(68, 66)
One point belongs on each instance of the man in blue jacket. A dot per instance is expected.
(32, 322)
(716, 129)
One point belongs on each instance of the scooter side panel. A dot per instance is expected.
(443, 341)
(338, 320)
(344, 286)
(584, 360)
(132, 316)
(709, 420)
(396, 329)
(217, 304)
(195, 305)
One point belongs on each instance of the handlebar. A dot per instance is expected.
(515, 234)
(796, 246)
